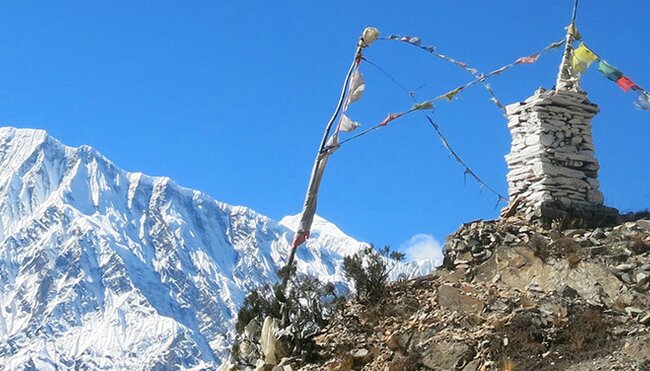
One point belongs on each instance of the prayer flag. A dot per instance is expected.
(528, 60)
(625, 83)
(582, 58)
(348, 125)
(502, 69)
(357, 87)
(429, 48)
(309, 208)
(643, 101)
(299, 238)
(333, 143)
(573, 31)
(389, 118)
(609, 71)
(415, 41)
(422, 106)
(450, 95)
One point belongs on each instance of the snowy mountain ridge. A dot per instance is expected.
(105, 269)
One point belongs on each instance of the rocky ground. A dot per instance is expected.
(510, 296)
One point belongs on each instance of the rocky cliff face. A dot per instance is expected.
(511, 296)
(106, 269)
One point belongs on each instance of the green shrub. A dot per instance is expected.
(258, 304)
(369, 269)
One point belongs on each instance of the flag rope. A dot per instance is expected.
(464, 66)
(442, 137)
(448, 95)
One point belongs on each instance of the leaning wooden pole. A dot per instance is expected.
(370, 34)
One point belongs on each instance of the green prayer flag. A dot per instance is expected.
(608, 71)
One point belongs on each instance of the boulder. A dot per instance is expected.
(447, 355)
(454, 299)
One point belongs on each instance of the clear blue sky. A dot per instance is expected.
(230, 97)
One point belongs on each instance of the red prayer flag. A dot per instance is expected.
(299, 238)
(389, 118)
(626, 84)
(528, 60)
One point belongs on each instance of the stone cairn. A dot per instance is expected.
(553, 172)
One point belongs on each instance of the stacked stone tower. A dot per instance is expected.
(553, 173)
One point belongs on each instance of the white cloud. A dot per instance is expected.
(422, 246)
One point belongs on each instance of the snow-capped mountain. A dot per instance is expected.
(106, 269)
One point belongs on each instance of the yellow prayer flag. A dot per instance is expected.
(585, 54)
(450, 95)
(582, 58)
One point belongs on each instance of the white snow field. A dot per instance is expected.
(106, 269)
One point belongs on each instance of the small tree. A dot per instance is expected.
(369, 269)
(257, 305)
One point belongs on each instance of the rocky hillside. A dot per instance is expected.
(510, 296)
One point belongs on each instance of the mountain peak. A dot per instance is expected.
(320, 225)
(102, 268)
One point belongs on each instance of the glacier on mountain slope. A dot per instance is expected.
(105, 269)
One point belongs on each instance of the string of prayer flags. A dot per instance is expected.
(582, 58)
(479, 78)
(608, 71)
(415, 41)
(626, 84)
(348, 125)
(643, 101)
(528, 60)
